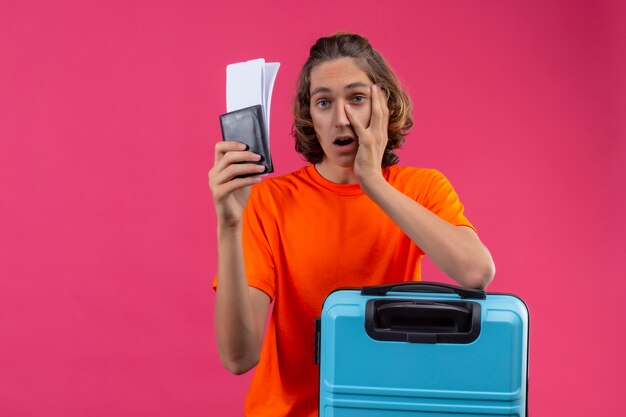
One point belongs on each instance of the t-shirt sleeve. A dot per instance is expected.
(441, 199)
(258, 259)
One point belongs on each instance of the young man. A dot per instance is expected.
(349, 219)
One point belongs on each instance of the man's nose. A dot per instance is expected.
(341, 118)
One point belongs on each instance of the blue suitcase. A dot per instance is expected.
(422, 349)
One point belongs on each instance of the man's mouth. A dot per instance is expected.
(343, 141)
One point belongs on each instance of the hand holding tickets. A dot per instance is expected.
(249, 88)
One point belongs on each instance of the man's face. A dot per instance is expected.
(334, 85)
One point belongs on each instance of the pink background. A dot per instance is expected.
(108, 116)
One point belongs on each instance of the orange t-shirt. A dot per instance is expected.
(304, 236)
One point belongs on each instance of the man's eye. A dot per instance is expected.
(323, 104)
(358, 99)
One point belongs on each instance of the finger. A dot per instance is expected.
(236, 184)
(384, 105)
(237, 170)
(359, 129)
(377, 112)
(224, 183)
(224, 146)
(236, 157)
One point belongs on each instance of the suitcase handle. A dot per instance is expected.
(430, 287)
(415, 316)
(419, 321)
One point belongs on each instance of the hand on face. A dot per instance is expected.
(373, 138)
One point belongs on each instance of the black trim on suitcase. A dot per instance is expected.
(424, 286)
(318, 339)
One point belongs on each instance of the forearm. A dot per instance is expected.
(459, 254)
(236, 327)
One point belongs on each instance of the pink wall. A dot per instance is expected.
(108, 115)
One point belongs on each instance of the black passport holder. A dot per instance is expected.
(248, 126)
